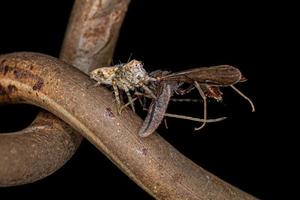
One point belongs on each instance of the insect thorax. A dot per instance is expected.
(133, 74)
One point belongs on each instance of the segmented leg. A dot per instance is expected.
(181, 91)
(148, 91)
(204, 105)
(166, 123)
(194, 119)
(117, 96)
(97, 84)
(128, 103)
(186, 100)
(245, 97)
(142, 101)
(139, 95)
(175, 115)
(129, 97)
(93, 85)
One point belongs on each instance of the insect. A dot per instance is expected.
(207, 80)
(129, 76)
(132, 76)
(158, 107)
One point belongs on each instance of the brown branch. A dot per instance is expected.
(92, 46)
(92, 32)
(151, 162)
(36, 151)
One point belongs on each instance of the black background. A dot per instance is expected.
(249, 150)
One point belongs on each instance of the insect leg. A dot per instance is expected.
(181, 91)
(186, 100)
(97, 84)
(148, 91)
(129, 97)
(93, 85)
(140, 96)
(128, 103)
(194, 119)
(117, 96)
(244, 96)
(142, 102)
(166, 123)
(204, 105)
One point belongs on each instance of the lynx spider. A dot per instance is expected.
(127, 77)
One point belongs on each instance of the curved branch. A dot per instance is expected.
(60, 141)
(151, 162)
(36, 151)
(92, 33)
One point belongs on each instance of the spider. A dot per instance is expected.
(127, 77)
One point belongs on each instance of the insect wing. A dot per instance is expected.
(221, 75)
(157, 108)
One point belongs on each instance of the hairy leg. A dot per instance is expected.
(147, 90)
(131, 102)
(117, 96)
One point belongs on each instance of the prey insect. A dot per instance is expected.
(158, 107)
(207, 80)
